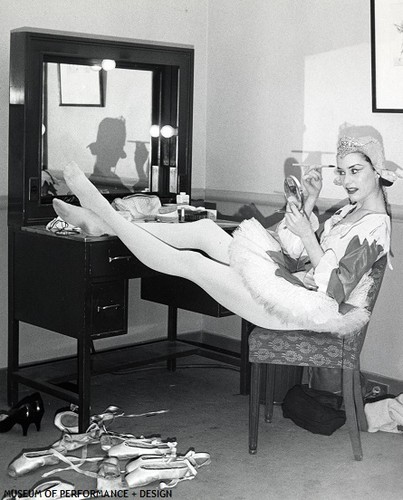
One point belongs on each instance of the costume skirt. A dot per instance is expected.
(288, 301)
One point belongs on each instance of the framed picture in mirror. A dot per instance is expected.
(80, 85)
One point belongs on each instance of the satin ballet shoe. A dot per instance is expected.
(168, 473)
(24, 415)
(71, 442)
(66, 419)
(30, 461)
(135, 447)
(196, 459)
(110, 477)
(109, 439)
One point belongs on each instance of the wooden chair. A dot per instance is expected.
(305, 348)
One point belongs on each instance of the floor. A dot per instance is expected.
(207, 413)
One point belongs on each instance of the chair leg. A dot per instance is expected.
(269, 400)
(351, 416)
(359, 403)
(254, 406)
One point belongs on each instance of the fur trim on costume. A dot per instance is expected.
(311, 310)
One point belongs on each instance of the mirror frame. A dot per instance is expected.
(172, 105)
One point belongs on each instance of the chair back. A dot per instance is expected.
(377, 273)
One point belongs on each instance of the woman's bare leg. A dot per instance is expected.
(200, 235)
(220, 281)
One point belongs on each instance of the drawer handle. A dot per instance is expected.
(120, 257)
(111, 306)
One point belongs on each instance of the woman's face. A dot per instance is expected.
(358, 177)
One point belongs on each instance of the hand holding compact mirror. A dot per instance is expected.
(293, 193)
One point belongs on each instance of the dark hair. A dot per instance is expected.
(382, 183)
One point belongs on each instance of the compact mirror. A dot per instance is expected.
(293, 191)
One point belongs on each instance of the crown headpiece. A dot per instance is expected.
(373, 149)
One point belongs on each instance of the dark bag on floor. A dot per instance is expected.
(316, 411)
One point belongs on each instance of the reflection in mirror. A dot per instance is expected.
(293, 192)
(108, 136)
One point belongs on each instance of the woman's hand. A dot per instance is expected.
(297, 222)
(312, 182)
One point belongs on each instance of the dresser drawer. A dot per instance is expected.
(113, 258)
(181, 293)
(108, 308)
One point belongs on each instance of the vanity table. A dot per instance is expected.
(76, 285)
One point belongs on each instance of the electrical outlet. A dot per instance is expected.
(374, 388)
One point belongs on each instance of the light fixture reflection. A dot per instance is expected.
(96, 67)
(167, 131)
(43, 129)
(108, 64)
(154, 130)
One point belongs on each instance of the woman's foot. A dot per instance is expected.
(85, 191)
(81, 217)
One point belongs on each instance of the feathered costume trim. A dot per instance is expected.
(311, 310)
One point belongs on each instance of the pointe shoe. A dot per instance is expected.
(135, 447)
(71, 442)
(172, 471)
(109, 476)
(24, 415)
(31, 460)
(196, 459)
(67, 419)
(110, 439)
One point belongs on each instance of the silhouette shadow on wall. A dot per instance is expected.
(141, 161)
(108, 150)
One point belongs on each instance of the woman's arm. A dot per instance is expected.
(299, 224)
(312, 183)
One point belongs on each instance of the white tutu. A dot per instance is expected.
(310, 310)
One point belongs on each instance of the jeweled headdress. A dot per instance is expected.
(372, 148)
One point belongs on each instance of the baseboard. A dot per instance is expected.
(395, 386)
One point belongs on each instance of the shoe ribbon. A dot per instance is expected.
(74, 463)
(190, 474)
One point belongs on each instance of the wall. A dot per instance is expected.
(283, 76)
(175, 21)
(281, 83)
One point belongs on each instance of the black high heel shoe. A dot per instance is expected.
(34, 400)
(28, 411)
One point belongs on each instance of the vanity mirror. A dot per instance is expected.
(121, 109)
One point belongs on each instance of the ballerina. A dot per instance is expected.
(249, 272)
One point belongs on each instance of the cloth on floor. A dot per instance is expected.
(385, 415)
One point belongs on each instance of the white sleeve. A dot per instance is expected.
(290, 242)
(325, 267)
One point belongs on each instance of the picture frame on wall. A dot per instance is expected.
(80, 85)
(387, 55)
